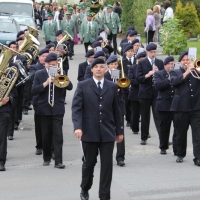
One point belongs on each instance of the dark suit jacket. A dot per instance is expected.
(97, 115)
(146, 87)
(121, 100)
(134, 89)
(43, 106)
(33, 69)
(81, 70)
(88, 73)
(187, 93)
(165, 90)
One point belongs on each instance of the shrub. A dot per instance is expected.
(173, 39)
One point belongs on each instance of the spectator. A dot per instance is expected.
(117, 8)
(150, 26)
(56, 16)
(169, 13)
(157, 16)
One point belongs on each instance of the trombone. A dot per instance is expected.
(60, 80)
(123, 82)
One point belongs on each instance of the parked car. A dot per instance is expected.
(24, 21)
(8, 30)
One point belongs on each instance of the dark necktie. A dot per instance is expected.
(89, 27)
(99, 86)
(134, 57)
(130, 61)
(152, 62)
(110, 16)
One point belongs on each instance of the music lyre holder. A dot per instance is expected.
(115, 74)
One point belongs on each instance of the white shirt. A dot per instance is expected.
(132, 59)
(169, 13)
(150, 60)
(96, 81)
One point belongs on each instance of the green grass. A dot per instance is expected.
(197, 45)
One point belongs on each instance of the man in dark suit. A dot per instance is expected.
(51, 108)
(82, 66)
(133, 94)
(127, 62)
(97, 123)
(37, 119)
(163, 103)
(147, 92)
(88, 72)
(5, 108)
(113, 64)
(186, 107)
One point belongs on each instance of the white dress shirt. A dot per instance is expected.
(96, 81)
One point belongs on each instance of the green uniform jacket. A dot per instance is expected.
(89, 35)
(69, 27)
(80, 18)
(112, 24)
(100, 19)
(48, 31)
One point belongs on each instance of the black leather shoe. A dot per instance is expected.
(143, 142)
(46, 163)
(179, 159)
(38, 151)
(2, 168)
(10, 137)
(84, 195)
(128, 124)
(120, 163)
(60, 166)
(16, 127)
(196, 162)
(163, 151)
(25, 112)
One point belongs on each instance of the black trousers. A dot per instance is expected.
(86, 44)
(182, 120)
(113, 37)
(19, 103)
(27, 95)
(135, 115)
(120, 155)
(91, 150)
(166, 118)
(128, 107)
(52, 134)
(12, 118)
(38, 129)
(150, 35)
(4, 121)
(145, 106)
(72, 46)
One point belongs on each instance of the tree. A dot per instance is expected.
(190, 21)
(139, 13)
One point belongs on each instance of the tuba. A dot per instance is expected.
(61, 42)
(123, 82)
(28, 42)
(95, 7)
(33, 31)
(8, 76)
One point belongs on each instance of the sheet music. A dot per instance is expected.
(103, 35)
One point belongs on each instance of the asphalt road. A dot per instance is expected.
(147, 175)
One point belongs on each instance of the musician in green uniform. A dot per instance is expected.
(68, 26)
(112, 25)
(89, 31)
(49, 29)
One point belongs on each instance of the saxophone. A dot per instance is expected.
(8, 75)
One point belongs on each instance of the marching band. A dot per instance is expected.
(118, 87)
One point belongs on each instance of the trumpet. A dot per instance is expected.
(196, 71)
